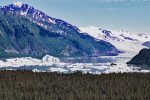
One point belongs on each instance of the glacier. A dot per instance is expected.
(129, 43)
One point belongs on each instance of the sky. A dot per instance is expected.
(131, 15)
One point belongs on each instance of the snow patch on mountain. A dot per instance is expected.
(19, 4)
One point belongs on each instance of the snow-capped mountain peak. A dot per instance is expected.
(37, 16)
(18, 4)
(122, 35)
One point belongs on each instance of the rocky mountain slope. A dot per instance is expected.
(147, 44)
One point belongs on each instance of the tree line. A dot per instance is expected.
(27, 85)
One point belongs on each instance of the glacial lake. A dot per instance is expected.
(75, 62)
(103, 59)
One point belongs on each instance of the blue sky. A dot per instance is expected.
(132, 15)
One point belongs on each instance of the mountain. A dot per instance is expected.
(143, 58)
(25, 31)
(123, 40)
(147, 44)
(39, 17)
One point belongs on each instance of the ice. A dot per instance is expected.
(50, 59)
(53, 64)
(29, 61)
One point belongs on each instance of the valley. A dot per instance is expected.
(75, 50)
(38, 42)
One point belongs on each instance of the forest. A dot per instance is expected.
(27, 85)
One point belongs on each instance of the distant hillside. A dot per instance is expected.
(143, 58)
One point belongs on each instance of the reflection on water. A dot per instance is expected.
(107, 59)
(87, 60)
(141, 67)
(30, 68)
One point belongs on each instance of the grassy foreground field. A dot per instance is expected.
(25, 85)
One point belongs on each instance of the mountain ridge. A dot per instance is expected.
(36, 16)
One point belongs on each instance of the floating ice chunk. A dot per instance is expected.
(36, 70)
(50, 59)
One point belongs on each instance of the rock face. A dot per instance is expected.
(143, 58)
(147, 44)
(25, 31)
